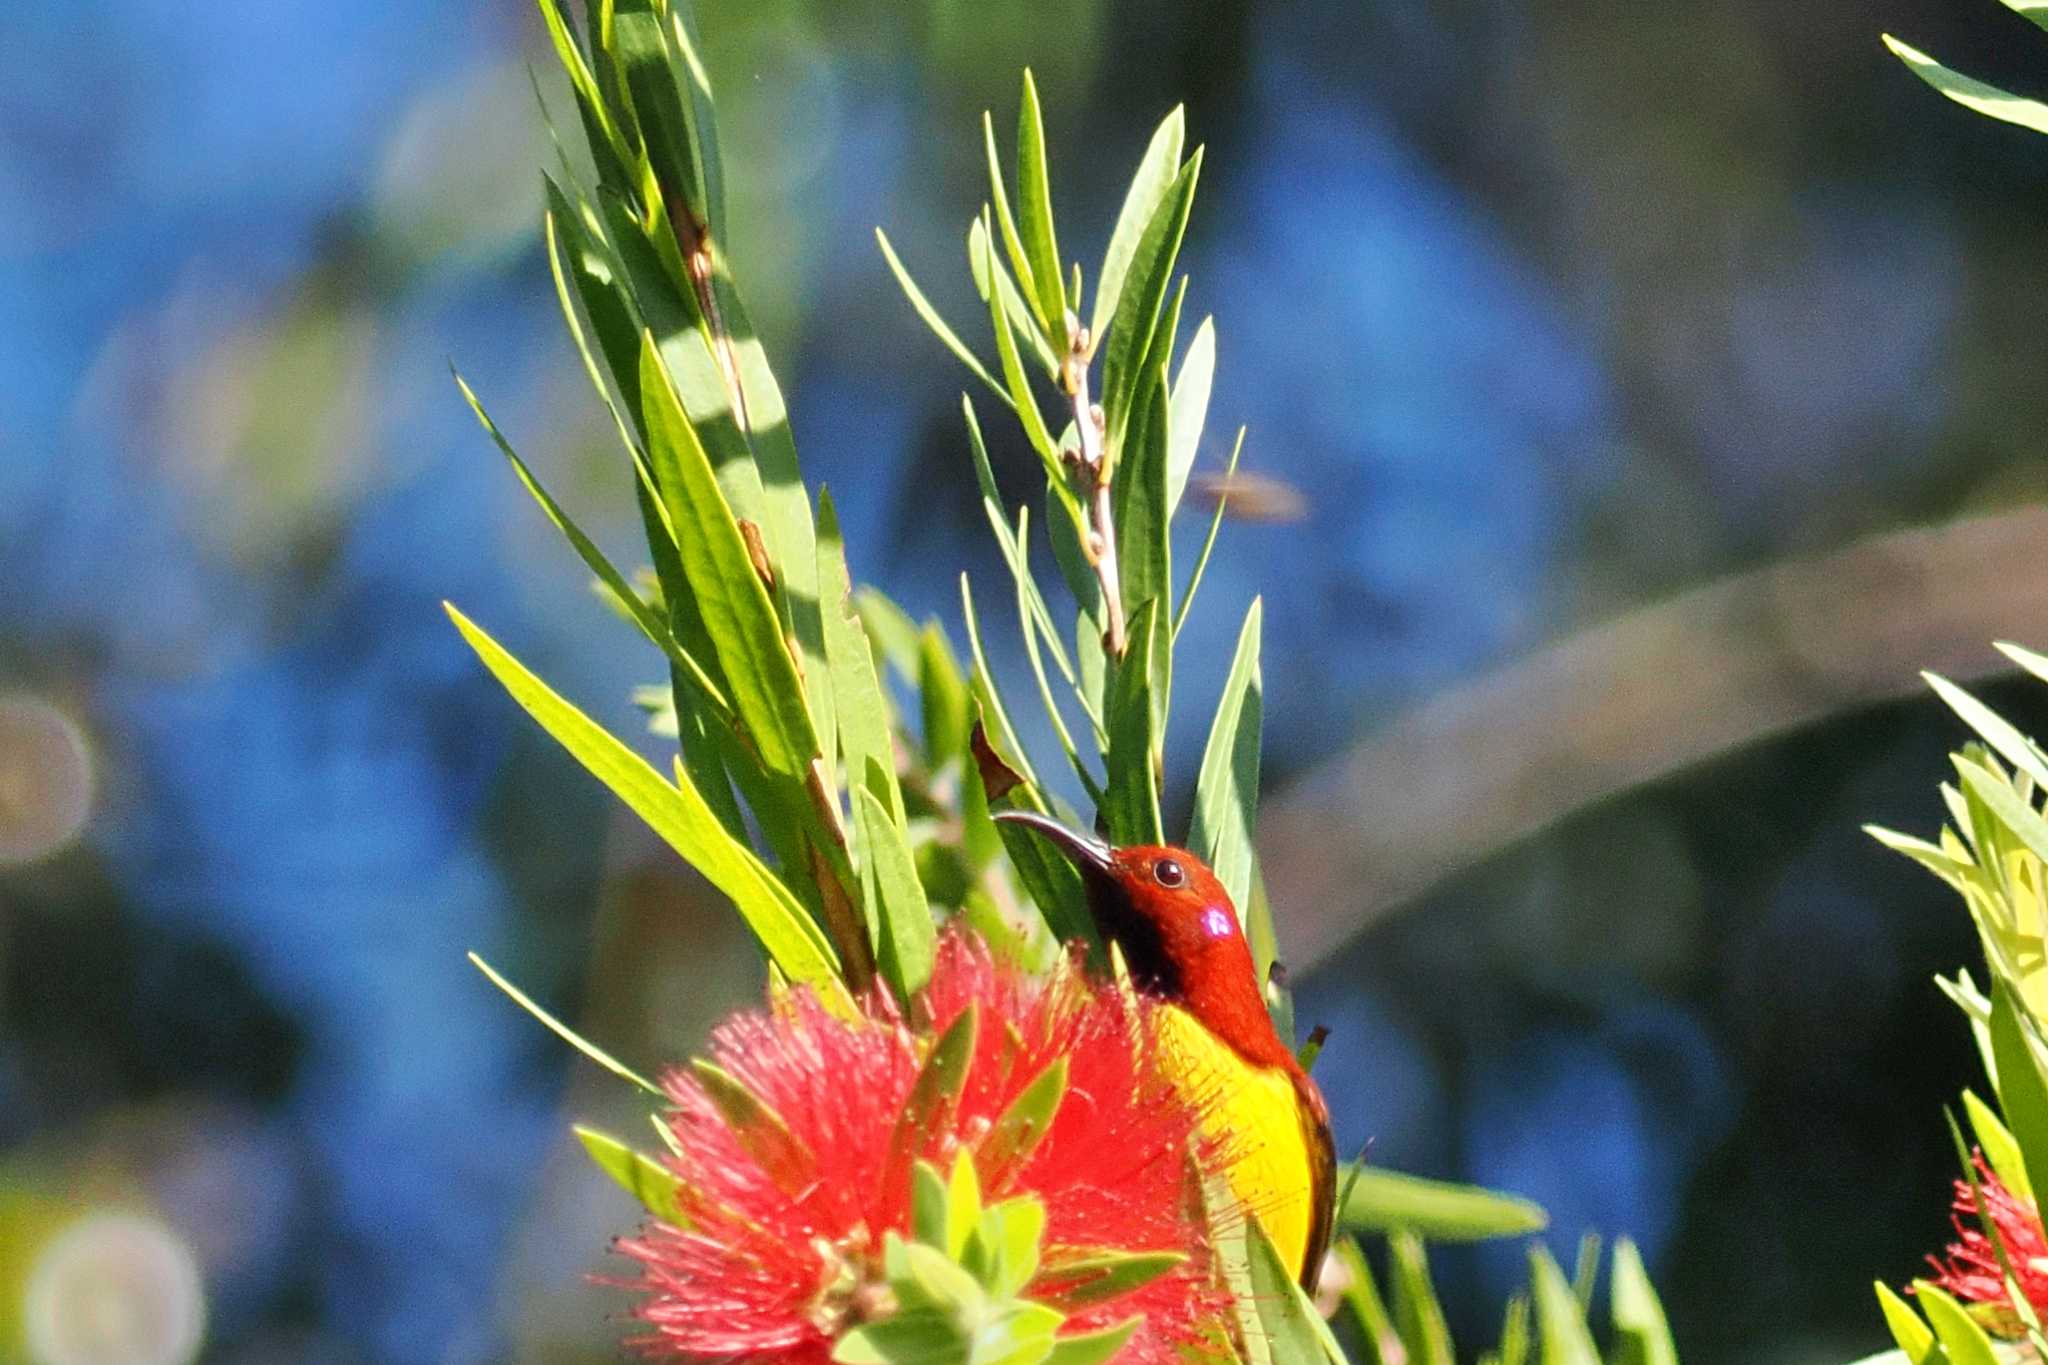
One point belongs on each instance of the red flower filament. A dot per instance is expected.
(1972, 1272)
(787, 1216)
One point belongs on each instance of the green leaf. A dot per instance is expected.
(1021, 1334)
(936, 1090)
(963, 1205)
(1144, 544)
(1960, 1336)
(1382, 1200)
(919, 1337)
(1187, 597)
(762, 1133)
(889, 875)
(928, 1222)
(989, 273)
(863, 710)
(1561, 1333)
(1132, 792)
(1080, 1278)
(659, 81)
(642, 615)
(1015, 379)
(2034, 12)
(1155, 175)
(2000, 1149)
(1034, 208)
(567, 1034)
(1013, 243)
(1093, 1348)
(2022, 1089)
(677, 813)
(1586, 1270)
(1971, 94)
(1227, 789)
(1294, 1330)
(1006, 1243)
(1641, 1335)
(2012, 746)
(1915, 1337)
(1024, 1124)
(656, 1187)
(1190, 411)
(931, 317)
(1368, 1310)
(767, 692)
(1137, 312)
(1417, 1313)
(943, 692)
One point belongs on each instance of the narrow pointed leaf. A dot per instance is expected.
(1190, 408)
(1156, 171)
(1092, 1348)
(1294, 1329)
(1641, 1335)
(761, 1132)
(1019, 1129)
(1097, 1277)
(904, 949)
(1034, 209)
(647, 1180)
(2022, 1086)
(564, 1032)
(2000, 733)
(1915, 1337)
(1561, 1333)
(931, 317)
(1137, 312)
(989, 273)
(1368, 1308)
(767, 693)
(1013, 243)
(1971, 94)
(1187, 599)
(863, 711)
(936, 1089)
(1227, 789)
(1417, 1313)
(1442, 1211)
(1961, 1338)
(1018, 383)
(2000, 1148)
(1132, 792)
(677, 813)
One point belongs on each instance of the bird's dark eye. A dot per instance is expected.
(1169, 873)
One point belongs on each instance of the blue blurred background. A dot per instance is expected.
(1550, 311)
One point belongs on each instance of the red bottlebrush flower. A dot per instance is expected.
(1972, 1273)
(787, 1214)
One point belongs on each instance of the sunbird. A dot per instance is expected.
(1183, 942)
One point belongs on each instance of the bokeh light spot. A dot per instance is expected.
(46, 779)
(115, 1289)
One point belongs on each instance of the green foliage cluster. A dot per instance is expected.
(844, 834)
(1992, 853)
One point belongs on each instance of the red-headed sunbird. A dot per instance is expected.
(1184, 944)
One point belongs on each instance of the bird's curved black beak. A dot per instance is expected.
(1084, 851)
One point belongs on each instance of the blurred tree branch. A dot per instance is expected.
(1665, 686)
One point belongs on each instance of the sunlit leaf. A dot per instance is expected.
(889, 877)
(1442, 1211)
(1132, 790)
(564, 1032)
(677, 813)
(938, 324)
(656, 1187)
(1156, 172)
(1641, 1335)
(1561, 1333)
(1971, 94)
(1034, 209)
(1137, 312)
(1227, 789)
(1190, 411)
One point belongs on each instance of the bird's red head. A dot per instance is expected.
(1178, 931)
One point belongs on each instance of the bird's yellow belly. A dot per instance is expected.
(1252, 1115)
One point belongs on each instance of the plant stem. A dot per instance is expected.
(1092, 458)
